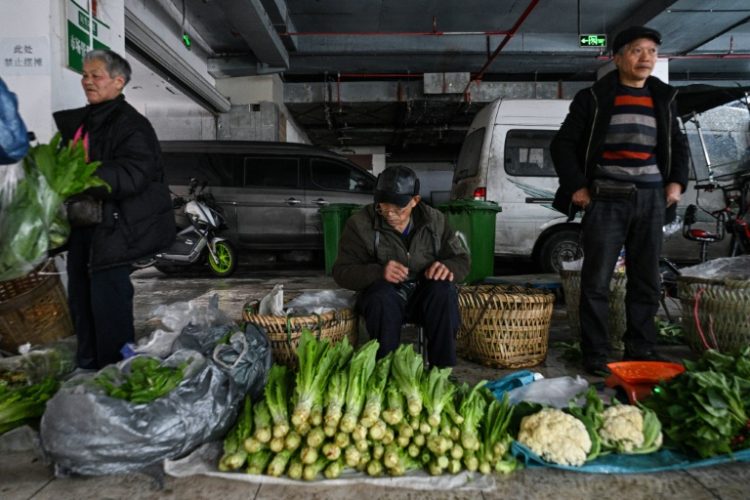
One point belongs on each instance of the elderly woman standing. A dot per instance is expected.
(136, 217)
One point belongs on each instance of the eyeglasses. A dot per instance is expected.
(386, 211)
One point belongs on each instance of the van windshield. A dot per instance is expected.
(468, 158)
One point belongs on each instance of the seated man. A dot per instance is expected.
(402, 257)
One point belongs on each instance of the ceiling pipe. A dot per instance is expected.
(532, 5)
(394, 33)
(381, 75)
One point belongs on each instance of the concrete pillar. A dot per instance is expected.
(258, 112)
(40, 29)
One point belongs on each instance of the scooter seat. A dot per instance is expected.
(702, 235)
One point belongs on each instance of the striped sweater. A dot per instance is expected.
(629, 152)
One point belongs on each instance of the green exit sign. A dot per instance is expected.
(592, 40)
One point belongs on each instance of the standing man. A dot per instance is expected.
(622, 158)
(403, 258)
(136, 215)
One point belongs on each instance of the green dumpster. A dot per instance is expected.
(334, 217)
(475, 220)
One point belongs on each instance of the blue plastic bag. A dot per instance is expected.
(14, 139)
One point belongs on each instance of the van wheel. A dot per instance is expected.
(558, 247)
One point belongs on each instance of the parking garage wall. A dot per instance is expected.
(42, 25)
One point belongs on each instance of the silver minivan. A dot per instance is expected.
(270, 191)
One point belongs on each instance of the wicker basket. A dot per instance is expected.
(284, 333)
(33, 309)
(504, 326)
(571, 282)
(722, 307)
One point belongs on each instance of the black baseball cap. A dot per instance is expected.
(396, 185)
(633, 33)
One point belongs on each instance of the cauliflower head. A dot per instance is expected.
(622, 428)
(556, 437)
(627, 429)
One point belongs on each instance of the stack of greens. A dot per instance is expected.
(32, 220)
(345, 409)
(146, 380)
(705, 409)
(20, 402)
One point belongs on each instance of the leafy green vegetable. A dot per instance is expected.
(32, 220)
(235, 455)
(591, 416)
(21, 403)
(437, 392)
(375, 391)
(472, 408)
(360, 369)
(146, 381)
(705, 409)
(317, 360)
(669, 333)
(407, 370)
(277, 397)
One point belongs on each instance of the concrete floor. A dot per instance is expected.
(23, 475)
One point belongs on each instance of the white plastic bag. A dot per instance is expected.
(320, 302)
(555, 392)
(273, 303)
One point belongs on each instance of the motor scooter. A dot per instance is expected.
(197, 243)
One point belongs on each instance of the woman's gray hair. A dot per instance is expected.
(115, 64)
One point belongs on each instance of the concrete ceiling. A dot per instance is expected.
(365, 72)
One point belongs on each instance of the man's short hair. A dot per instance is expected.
(633, 33)
(115, 64)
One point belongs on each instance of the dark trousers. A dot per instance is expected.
(433, 304)
(101, 303)
(637, 224)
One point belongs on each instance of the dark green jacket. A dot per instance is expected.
(368, 243)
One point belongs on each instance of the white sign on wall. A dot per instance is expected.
(24, 56)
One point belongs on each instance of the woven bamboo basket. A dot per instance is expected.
(504, 326)
(571, 282)
(284, 333)
(34, 309)
(719, 308)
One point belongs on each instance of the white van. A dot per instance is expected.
(505, 158)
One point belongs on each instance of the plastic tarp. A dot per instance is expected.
(203, 462)
(662, 460)
(613, 463)
(734, 268)
(84, 431)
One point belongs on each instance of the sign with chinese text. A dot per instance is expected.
(24, 56)
(592, 40)
(78, 35)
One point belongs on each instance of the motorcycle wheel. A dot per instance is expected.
(226, 261)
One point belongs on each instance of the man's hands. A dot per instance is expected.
(582, 197)
(395, 272)
(673, 193)
(438, 272)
